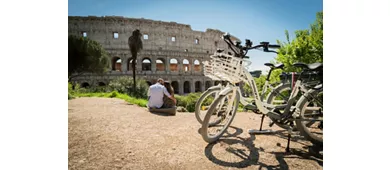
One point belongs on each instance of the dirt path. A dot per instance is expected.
(111, 134)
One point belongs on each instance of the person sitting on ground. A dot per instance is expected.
(169, 103)
(156, 94)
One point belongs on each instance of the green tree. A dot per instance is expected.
(274, 80)
(307, 47)
(85, 56)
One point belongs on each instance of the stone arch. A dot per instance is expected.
(85, 85)
(160, 64)
(208, 84)
(216, 83)
(173, 64)
(175, 86)
(198, 86)
(116, 64)
(129, 66)
(146, 64)
(197, 65)
(187, 87)
(186, 65)
(101, 84)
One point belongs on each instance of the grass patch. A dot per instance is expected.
(115, 94)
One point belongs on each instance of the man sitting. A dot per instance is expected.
(156, 95)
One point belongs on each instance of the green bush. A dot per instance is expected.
(125, 84)
(181, 101)
(113, 94)
(70, 91)
(188, 101)
(70, 96)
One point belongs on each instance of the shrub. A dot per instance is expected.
(70, 96)
(188, 101)
(113, 94)
(181, 101)
(125, 84)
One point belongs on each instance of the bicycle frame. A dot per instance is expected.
(263, 107)
(244, 100)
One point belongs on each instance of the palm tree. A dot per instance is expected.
(135, 45)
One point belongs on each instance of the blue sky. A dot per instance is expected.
(257, 20)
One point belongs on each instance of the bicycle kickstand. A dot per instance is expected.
(260, 131)
(289, 138)
(288, 143)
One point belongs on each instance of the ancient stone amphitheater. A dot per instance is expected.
(171, 51)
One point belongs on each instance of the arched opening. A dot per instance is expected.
(224, 83)
(186, 87)
(129, 64)
(116, 64)
(216, 83)
(196, 65)
(208, 84)
(173, 65)
(175, 86)
(186, 65)
(146, 64)
(198, 84)
(101, 84)
(149, 83)
(84, 85)
(160, 64)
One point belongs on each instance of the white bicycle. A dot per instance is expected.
(272, 94)
(307, 113)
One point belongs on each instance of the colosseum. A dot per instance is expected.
(171, 51)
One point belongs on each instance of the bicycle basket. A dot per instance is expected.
(228, 68)
(209, 70)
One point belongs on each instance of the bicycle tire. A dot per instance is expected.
(200, 101)
(272, 95)
(304, 131)
(206, 120)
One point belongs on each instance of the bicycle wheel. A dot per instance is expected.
(279, 98)
(310, 106)
(280, 95)
(220, 112)
(204, 102)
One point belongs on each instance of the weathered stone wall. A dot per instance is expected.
(163, 41)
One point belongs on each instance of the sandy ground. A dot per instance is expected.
(108, 133)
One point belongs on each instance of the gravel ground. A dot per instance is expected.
(106, 133)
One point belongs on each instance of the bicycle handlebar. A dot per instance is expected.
(248, 46)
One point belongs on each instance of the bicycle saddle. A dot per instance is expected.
(313, 66)
(281, 65)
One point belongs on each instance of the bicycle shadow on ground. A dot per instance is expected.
(313, 149)
(284, 135)
(246, 154)
(232, 131)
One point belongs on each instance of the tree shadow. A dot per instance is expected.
(253, 156)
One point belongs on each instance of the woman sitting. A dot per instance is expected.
(168, 103)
